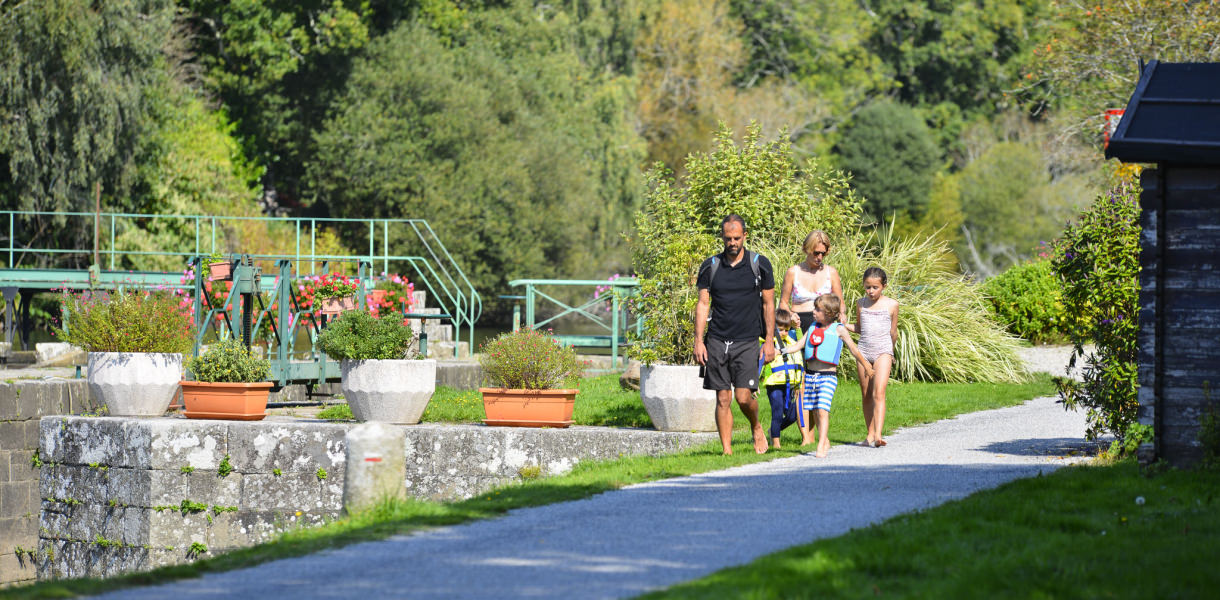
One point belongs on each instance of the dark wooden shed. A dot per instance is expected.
(1173, 120)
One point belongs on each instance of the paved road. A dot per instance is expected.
(653, 535)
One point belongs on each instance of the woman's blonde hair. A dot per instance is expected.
(815, 237)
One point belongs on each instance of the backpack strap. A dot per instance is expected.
(753, 258)
(750, 256)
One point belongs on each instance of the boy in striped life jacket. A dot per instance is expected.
(781, 378)
(822, 346)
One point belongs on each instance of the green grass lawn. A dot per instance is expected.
(601, 402)
(1077, 533)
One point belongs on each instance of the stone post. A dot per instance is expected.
(376, 466)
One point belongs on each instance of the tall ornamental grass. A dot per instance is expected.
(127, 321)
(945, 330)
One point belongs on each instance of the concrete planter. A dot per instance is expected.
(391, 391)
(675, 399)
(135, 384)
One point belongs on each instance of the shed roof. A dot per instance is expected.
(1173, 116)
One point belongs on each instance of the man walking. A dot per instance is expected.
(739, 288)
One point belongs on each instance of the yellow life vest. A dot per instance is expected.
(784, 368)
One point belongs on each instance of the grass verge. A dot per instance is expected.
(910, 404)
(1077, 533)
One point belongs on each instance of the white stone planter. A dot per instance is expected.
(391, 391)
(675, 399)
(134, 384)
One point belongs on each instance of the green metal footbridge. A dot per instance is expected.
(260, 281)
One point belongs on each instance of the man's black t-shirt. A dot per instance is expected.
(736, 305)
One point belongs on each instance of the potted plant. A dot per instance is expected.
(135, 341)
(337, 293)
(392, 294)
(219, 266)
(382, 379)
(526, 368)
(229, 383)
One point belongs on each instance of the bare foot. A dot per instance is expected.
(760, 440)
(881, 443)
(821, 453)
(867, 443)
(727, 452)
(805, 441)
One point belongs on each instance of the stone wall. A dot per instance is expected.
(22, 403)
(122, 494)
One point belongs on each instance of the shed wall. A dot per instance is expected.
(1189, 310)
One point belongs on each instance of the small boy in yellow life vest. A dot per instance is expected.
(781, 378)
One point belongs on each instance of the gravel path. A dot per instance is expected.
(653, 535)
(1050, 359)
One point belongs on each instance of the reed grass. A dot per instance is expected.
(945, 331)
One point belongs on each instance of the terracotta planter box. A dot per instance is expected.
(376, 296)
(334, 306)
(528, 408)
(221, 271)
(229, 401)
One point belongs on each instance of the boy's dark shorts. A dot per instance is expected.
(731, 365)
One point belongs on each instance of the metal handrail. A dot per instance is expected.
(620, 319)
(443, 278)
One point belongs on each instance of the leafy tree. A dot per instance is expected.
(277, 66)
(521, 158)
(678, 227)
(689, 52)
(76, 101)
(1087, 61)
(820, 45)
(967, 53)
(892, 159)
(200, 170)
(1010, 204)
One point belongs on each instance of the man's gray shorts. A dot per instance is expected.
(731, 365)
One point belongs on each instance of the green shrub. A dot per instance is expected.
(358, 335)
(127, 321)
(679, 226)
(1098, 260)
(892, 157)
(228, 361)
(528, 359)
(945, 331)
(1028, 300)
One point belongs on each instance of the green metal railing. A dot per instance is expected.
(616, 322)
(447, 285)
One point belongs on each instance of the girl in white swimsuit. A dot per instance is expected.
(877, 324)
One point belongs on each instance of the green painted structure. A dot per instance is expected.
(433, 270)
(614, 319)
